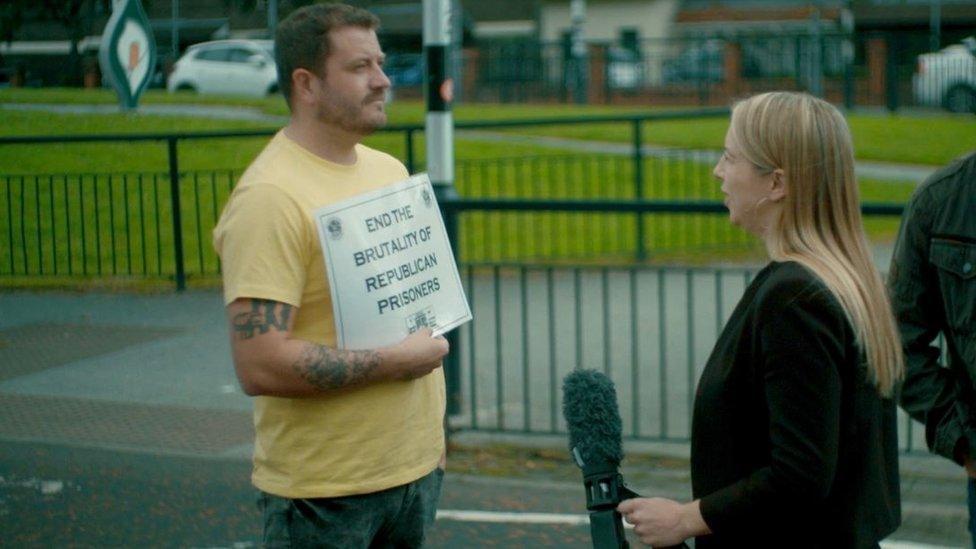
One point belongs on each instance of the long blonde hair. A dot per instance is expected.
(820, 222)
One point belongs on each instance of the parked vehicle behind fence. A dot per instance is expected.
(625, 71)
(947, 78)
(704, 63)
(404, 69)
(231, 67)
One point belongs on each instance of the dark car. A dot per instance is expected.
(405, 69)
(703, 62)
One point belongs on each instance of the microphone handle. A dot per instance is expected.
(607, 530)
(607, 525)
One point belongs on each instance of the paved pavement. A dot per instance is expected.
(121, 424)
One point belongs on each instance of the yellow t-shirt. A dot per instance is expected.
(351, 441)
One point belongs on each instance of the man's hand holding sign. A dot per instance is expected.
(395, 289)
(269, 361)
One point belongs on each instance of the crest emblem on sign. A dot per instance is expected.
(335, 228)
(127, 52)
(425, 194)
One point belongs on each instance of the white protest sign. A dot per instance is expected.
(390, 265)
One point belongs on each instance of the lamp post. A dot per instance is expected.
(577, 15)
(439, 135)
(935, 25)
(272, 17)
(174, 31)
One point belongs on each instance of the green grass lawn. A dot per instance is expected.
(695, 238)
(197, 154)
(933, 140)
(401, 111)
(103, 211)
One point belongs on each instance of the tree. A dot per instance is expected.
(13, 14)
(77, 17)
(282, 7)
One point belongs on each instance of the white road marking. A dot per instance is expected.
(520, 518)
(46, 487)
(895, 544)
(51, 487)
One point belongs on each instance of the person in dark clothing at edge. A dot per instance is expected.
(794, 440)
(932, 281)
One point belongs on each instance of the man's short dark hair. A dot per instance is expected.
(302, 39)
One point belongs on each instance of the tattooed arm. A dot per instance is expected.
(270, 362)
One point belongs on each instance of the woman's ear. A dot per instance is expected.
(779, 190)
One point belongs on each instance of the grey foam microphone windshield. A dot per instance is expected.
(593, 421)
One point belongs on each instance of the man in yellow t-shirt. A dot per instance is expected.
(349, 443)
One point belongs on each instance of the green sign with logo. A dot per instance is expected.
(127, 55)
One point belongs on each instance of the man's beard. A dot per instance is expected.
(353, 118)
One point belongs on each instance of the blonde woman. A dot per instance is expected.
(794, 441)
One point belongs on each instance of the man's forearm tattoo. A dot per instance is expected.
(263, 316)
(327, 368)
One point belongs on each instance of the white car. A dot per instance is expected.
(231, 67)
(947, 78)
(624, 69)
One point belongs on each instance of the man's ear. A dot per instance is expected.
(779, 190)
(302, 86)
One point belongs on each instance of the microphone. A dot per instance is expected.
(593, 419)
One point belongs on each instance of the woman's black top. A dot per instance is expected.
(791, 444)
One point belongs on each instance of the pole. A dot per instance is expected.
(457, 52)
(577, 13)
(174, 35)
(641, 253)
(847, 53)
(891, 73)
(816, 55)
(439, 133)
(174, 189)
(272, 17)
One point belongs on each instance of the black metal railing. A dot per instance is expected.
(552, 251)
(158, 223)
(96, 225)
(649, 328)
